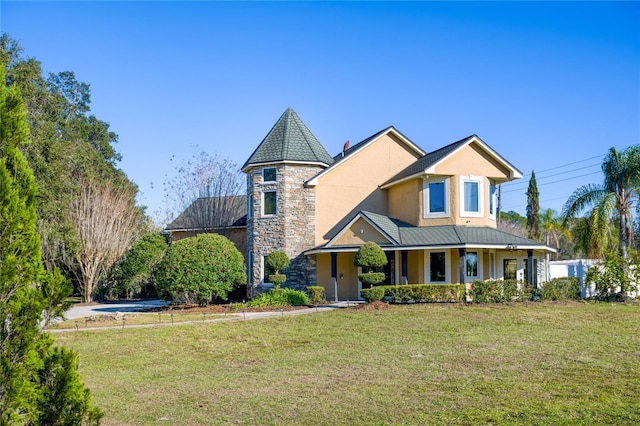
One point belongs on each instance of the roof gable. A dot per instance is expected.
(428, 163)
(289, 140)
(355, 149)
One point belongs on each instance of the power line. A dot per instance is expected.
(525, 183)
(565, 165)
(555, 181)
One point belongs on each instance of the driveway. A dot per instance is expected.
(111, 308)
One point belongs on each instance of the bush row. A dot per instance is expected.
(280, 297)
(564, 288)
(415, 293)
(496, 291)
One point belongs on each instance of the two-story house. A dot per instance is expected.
(433, 213)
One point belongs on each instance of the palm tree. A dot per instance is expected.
(614, 198)
(552, 228)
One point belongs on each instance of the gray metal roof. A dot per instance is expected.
(289, 140)
(408, 235)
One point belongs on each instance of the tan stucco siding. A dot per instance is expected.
(469, 163)
(347, 276)
(353, 184)
(359, 233)
(415, 267)
(405, 200)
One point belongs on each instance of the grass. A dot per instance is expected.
(130, 319)
(529, 363)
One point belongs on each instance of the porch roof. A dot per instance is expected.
(405, 236)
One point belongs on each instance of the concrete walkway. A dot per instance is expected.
(77, 312)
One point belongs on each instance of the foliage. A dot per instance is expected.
(280, 297)
(424, 293)
(533, 208)
(497, 291)
(553, 228)
(200, 269)
(373, 294)
(616, 276)
(316, 294)
(371, 278)
(616, 198)
(370, 257)
(68, 145)
(28, 294)
(564, 288)
(274, 262)
(513, 222)
(131, 276)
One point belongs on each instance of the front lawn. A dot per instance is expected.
(528, 363)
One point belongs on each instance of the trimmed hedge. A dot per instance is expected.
(373, 294)
(497, 291)
(424, 293)
(280, 297)
(564, 288)
(316, 294)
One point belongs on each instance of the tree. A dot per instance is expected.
(107, 222)
(200, 270)
(275, 261)
(552, 229)
(533, 208)
(30, 365)
(513, 223)
(370, 257)
(615, 198)
(68, 145)
(208, 190)
(131, 276)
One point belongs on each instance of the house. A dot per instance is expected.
(433, 213)
(225, 215)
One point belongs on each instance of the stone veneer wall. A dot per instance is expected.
(291, 230)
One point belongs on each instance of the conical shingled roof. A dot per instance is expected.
(289, 140)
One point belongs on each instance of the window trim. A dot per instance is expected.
(426, 197)
(493, 199)
(263, 214)
(479, 181)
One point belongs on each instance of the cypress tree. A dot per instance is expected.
(34, 375)
(533, 208)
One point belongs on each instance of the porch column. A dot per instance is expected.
(530, 272)
(334, 275)
(463, 263)
(403, 255)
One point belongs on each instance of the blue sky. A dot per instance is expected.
(551, 86)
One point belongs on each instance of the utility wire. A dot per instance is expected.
(555, 181)
(538, 179)
(566, 165)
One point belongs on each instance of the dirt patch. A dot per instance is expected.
(218, 309)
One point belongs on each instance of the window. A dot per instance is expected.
(438, 267)
(249, 206)
(472, 264)
(471, 196)
(492, 266)
(492, 200)
(510, 269)
(269, 174)
(436, 198)
(269, 203)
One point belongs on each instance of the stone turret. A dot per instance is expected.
(281, 209)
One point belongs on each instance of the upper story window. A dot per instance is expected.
(269, 174)
(269, 203)
(249, 206)
(492, 200)
(436, 197)
(470, 196)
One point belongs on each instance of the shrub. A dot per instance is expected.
(316, 294)
(200, 269)
(275, 261)
(615, 276)
(564, 288)
(373, 294)
(280, 297)
(131, 277)
(424, 293)
(370, 256)
(496, 291)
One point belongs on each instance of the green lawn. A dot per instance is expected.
(533, 363)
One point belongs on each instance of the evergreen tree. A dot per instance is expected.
(533, 208)
(33, 374)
